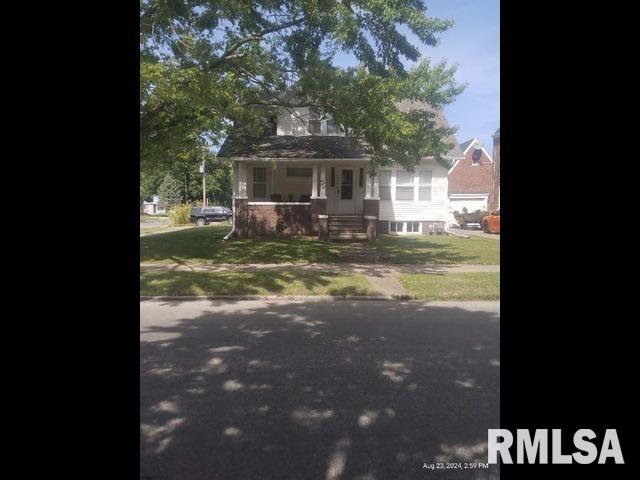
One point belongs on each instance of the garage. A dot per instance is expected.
(458, 202)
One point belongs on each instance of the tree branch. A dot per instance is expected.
(228, 54)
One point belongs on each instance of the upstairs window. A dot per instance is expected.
(424, 192)
(384, 178)
(331, 127)
(260, 182)
(315, 125)
(404, 186)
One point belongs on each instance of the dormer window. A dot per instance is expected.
(315, 124)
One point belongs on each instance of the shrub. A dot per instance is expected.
(180, 214)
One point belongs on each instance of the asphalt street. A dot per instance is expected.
(285, 390)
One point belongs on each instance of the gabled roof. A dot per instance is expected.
(464, 145)
(317, 146)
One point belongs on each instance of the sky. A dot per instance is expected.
(473, 43)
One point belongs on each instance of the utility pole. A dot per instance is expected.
(203, 170)
(204, 186)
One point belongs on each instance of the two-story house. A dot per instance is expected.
(305, 177)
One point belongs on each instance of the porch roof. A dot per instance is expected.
(289, 146)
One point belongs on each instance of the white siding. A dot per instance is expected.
(290, 124)
(433, 210)
(296, 123)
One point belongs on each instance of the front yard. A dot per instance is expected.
(452, 286)
(205, 245)
(252, 283)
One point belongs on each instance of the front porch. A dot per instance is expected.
(333, 199)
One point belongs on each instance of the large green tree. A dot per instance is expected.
(209, 65)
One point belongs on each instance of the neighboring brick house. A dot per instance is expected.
(494, 198)
(304, 176)
(470, 178)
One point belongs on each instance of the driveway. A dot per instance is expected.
(477, 233)
(154, 223)
(285, 390)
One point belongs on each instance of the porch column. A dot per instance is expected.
(241, 207)
(242, 180)
(372, 207)
(323, 180)
(314, 182)
(369, 190)
(319, 201)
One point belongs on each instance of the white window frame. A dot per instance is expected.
(253, 183)
(412, 185)
(430, 184)
(390, 185)
(404, 227)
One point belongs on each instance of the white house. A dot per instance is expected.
(153, 207)
(304, 176)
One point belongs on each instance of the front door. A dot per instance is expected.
(346, 194)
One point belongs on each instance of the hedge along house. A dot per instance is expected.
(305, 177)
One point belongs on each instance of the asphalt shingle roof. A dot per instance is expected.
(290, 146)
(464, 145)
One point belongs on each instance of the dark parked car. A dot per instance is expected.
(202, 216)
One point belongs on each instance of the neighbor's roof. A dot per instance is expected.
(464, 145)
(497, 134)
(317, 146)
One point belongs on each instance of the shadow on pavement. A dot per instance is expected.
(310, 390)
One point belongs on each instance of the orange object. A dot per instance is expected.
(491, 223)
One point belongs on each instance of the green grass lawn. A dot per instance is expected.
(252, 283)
(205, 245)
(168, 228)
(453, 286)
(439, 249)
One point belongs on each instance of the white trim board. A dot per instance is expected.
(473, 142)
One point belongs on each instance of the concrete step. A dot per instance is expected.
(353, 231)
(346, 224)
(347, 236)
